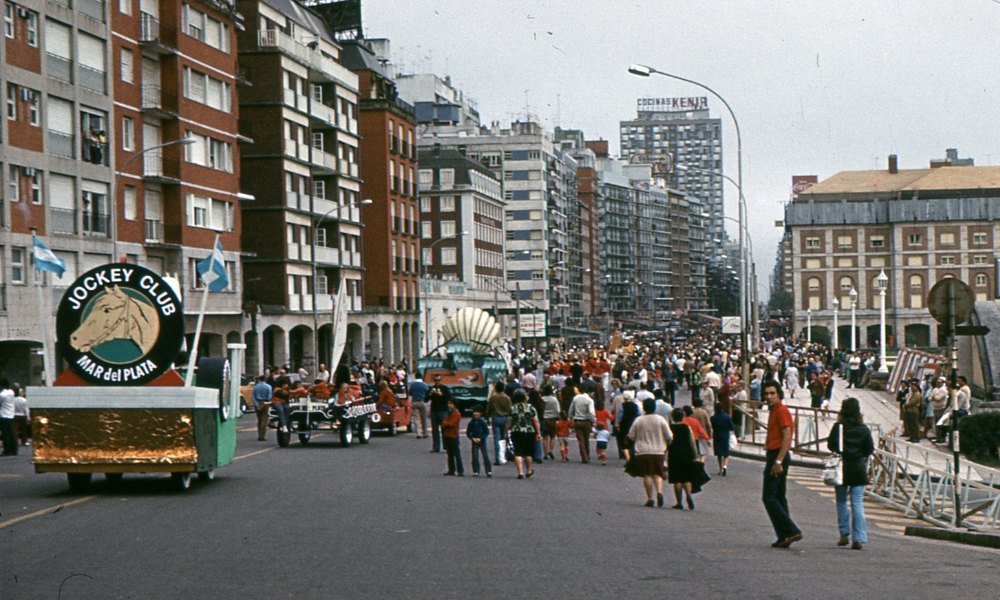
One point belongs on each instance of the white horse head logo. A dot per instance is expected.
(117, 315)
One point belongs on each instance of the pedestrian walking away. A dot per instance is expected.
(778, 444)
(262, 395)
(650, 436)
(853, 441)
(418, 397)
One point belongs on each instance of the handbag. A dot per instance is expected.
(509, 451)
(733, 440)
(502, 456)
(833, 465)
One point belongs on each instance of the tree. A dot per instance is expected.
(780, 302)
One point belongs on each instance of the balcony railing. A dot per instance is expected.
(155, 165)
(94, 152)
(155, 99)
(63, 220)
(59, 67)
(154, 230)
(155, 33)
(59, 143)
(95, 223)
(92, 8)
(93, 79)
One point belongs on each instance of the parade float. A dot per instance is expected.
(470, 359)
(121, 407)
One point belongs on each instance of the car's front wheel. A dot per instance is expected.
(346, 435)
(364, 431)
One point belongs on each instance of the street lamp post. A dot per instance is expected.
(184, 141)
(427, 312)
(836, 335)
(646, 71)
(312, 259)
(853, 295)
(809, 325)
(883, 282)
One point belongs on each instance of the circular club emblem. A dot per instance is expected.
(120, 324)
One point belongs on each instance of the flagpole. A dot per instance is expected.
(43, 317)
(193, 354)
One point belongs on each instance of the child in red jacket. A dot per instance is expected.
(449, 437)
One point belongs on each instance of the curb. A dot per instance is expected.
(972, 538)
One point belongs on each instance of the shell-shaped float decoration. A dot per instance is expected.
(475, 327)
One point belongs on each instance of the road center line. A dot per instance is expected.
(45, 511)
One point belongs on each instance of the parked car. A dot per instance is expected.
(246, 394)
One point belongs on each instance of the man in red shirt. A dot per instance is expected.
(778, 445)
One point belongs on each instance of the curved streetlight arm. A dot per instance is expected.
(186, 140)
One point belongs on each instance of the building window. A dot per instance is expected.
(17, 259)
(447, 177)
(34, 98)
(814, 284)
(425, 230)
(845, 263)
(32, 28)
(813, 263)
(948, 260)
(130, 203)
(448, 256)
(14, 183)
(844, 241)
(425, 204)
(447, 204)
(125, 7)
(846, 283)
(812, 243)
(914, 239)
(979, 238)
(981, 280)
(914, 261)
(127, 65)
(8, 20)
(946, 239)
(877, 241)
(11, 101)
(128, 133)
(447, 229)
(876, 262)
(36, 187)
(980, 259)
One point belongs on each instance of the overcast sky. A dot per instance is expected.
(818, 86)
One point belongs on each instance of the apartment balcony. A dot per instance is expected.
(324, 161)
(155, 36)
(59, 67)
(157, 103)
(94, 9)
(345, 167)
(96, 224)
(323, 114)
(327, 256)
(157, 168)
(296, 201)
(62, 220)
(93, 80)
(95, 153)
(60, 144)
(297, 150)
(322, 206)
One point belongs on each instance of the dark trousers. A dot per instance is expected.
(477, 451)
(9, 439)
(454, 450)
(436, 417)
(774, 499)
(583, 438)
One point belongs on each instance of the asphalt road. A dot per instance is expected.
(380, 521)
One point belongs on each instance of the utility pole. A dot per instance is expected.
(517, 330)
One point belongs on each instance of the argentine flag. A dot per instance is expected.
(46, 260)
(212, 269)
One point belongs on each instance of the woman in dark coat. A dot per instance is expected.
(722, 429)
(857, 447)
(681, 466)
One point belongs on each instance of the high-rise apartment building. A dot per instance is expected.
(389, 179)
(99, 96)
(299, 112)
(681, 131)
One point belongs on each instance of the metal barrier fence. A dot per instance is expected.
(921, 482)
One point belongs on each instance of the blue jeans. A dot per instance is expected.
(775, 502)
(498, 426)
(477, 450)
(281, 409)
(436, 417)
(856, 527)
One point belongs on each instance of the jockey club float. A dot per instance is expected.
(121, 407)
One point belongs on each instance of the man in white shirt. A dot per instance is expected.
(581, 413)
(7, 419)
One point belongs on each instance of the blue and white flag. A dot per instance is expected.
(46, 260)
(212, 269)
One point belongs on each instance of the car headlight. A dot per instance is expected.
(376, 418)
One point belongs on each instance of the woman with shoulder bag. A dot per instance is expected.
(852, 439)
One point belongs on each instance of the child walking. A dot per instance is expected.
(563, 427)
(602, 435)
(477, 431)
(449, 437)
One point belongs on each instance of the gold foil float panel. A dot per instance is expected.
(113, 436)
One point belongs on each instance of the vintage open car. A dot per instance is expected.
(307, 414)
(392, 419)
